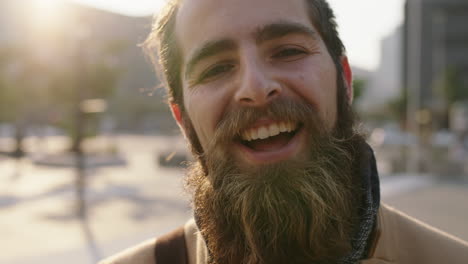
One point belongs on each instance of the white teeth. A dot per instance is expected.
(263, 133)
(290, 127)
(268, 131)
(282, 127)
(274, 130)
(254, 134)
(246, 135)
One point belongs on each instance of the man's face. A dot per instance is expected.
(248, 54)
(274, 180)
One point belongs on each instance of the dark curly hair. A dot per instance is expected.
(162, 48)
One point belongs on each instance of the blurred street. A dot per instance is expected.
(126, 204)
(140, 199)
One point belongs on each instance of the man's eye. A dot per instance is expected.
(289, 54)
(214, 71)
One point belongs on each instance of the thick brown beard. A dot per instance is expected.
(303, 210)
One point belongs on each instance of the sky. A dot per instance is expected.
(362, 23)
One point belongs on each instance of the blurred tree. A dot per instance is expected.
(37, 91)
(451, 89)
(8, 98)
(21, 83)
(359, 86)
(4, 61)
(93, 76)
(397, 107)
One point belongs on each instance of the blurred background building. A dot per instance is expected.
(78, 34)
(436, 48)
(385, 82)
(435, 67)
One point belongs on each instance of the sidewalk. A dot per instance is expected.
(142, 200)
(125, 203)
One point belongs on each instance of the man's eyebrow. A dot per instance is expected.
(281, 29)
(207, 50)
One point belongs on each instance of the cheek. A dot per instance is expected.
(301, 78)
(327, 95)
(318, 87)
(198, 119)
(330, 102)
(204, 109)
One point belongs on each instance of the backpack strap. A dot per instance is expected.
(171, 248)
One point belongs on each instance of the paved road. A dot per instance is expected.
(37, 205)
(141, 200)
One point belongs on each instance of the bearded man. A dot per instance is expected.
(262, 91)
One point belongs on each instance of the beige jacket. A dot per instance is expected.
(398, 239)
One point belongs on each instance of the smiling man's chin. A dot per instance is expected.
(290, 211)
(288, 198)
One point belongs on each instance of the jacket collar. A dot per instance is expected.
(382, 246)
(369, 178)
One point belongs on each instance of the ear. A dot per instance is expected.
(348, 77)
(176, 113)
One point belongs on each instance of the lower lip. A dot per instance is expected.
(272, 156)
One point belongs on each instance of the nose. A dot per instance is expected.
(257, 87)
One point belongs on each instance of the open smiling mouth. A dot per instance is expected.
(268, 138)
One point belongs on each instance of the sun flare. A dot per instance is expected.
(46, 13)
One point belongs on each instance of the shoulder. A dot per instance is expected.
(405, 239)
(142, 253)
(407, 225)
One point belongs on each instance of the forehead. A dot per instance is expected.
(201, 21)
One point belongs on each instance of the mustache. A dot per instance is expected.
(282, 109)
(245, 212)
